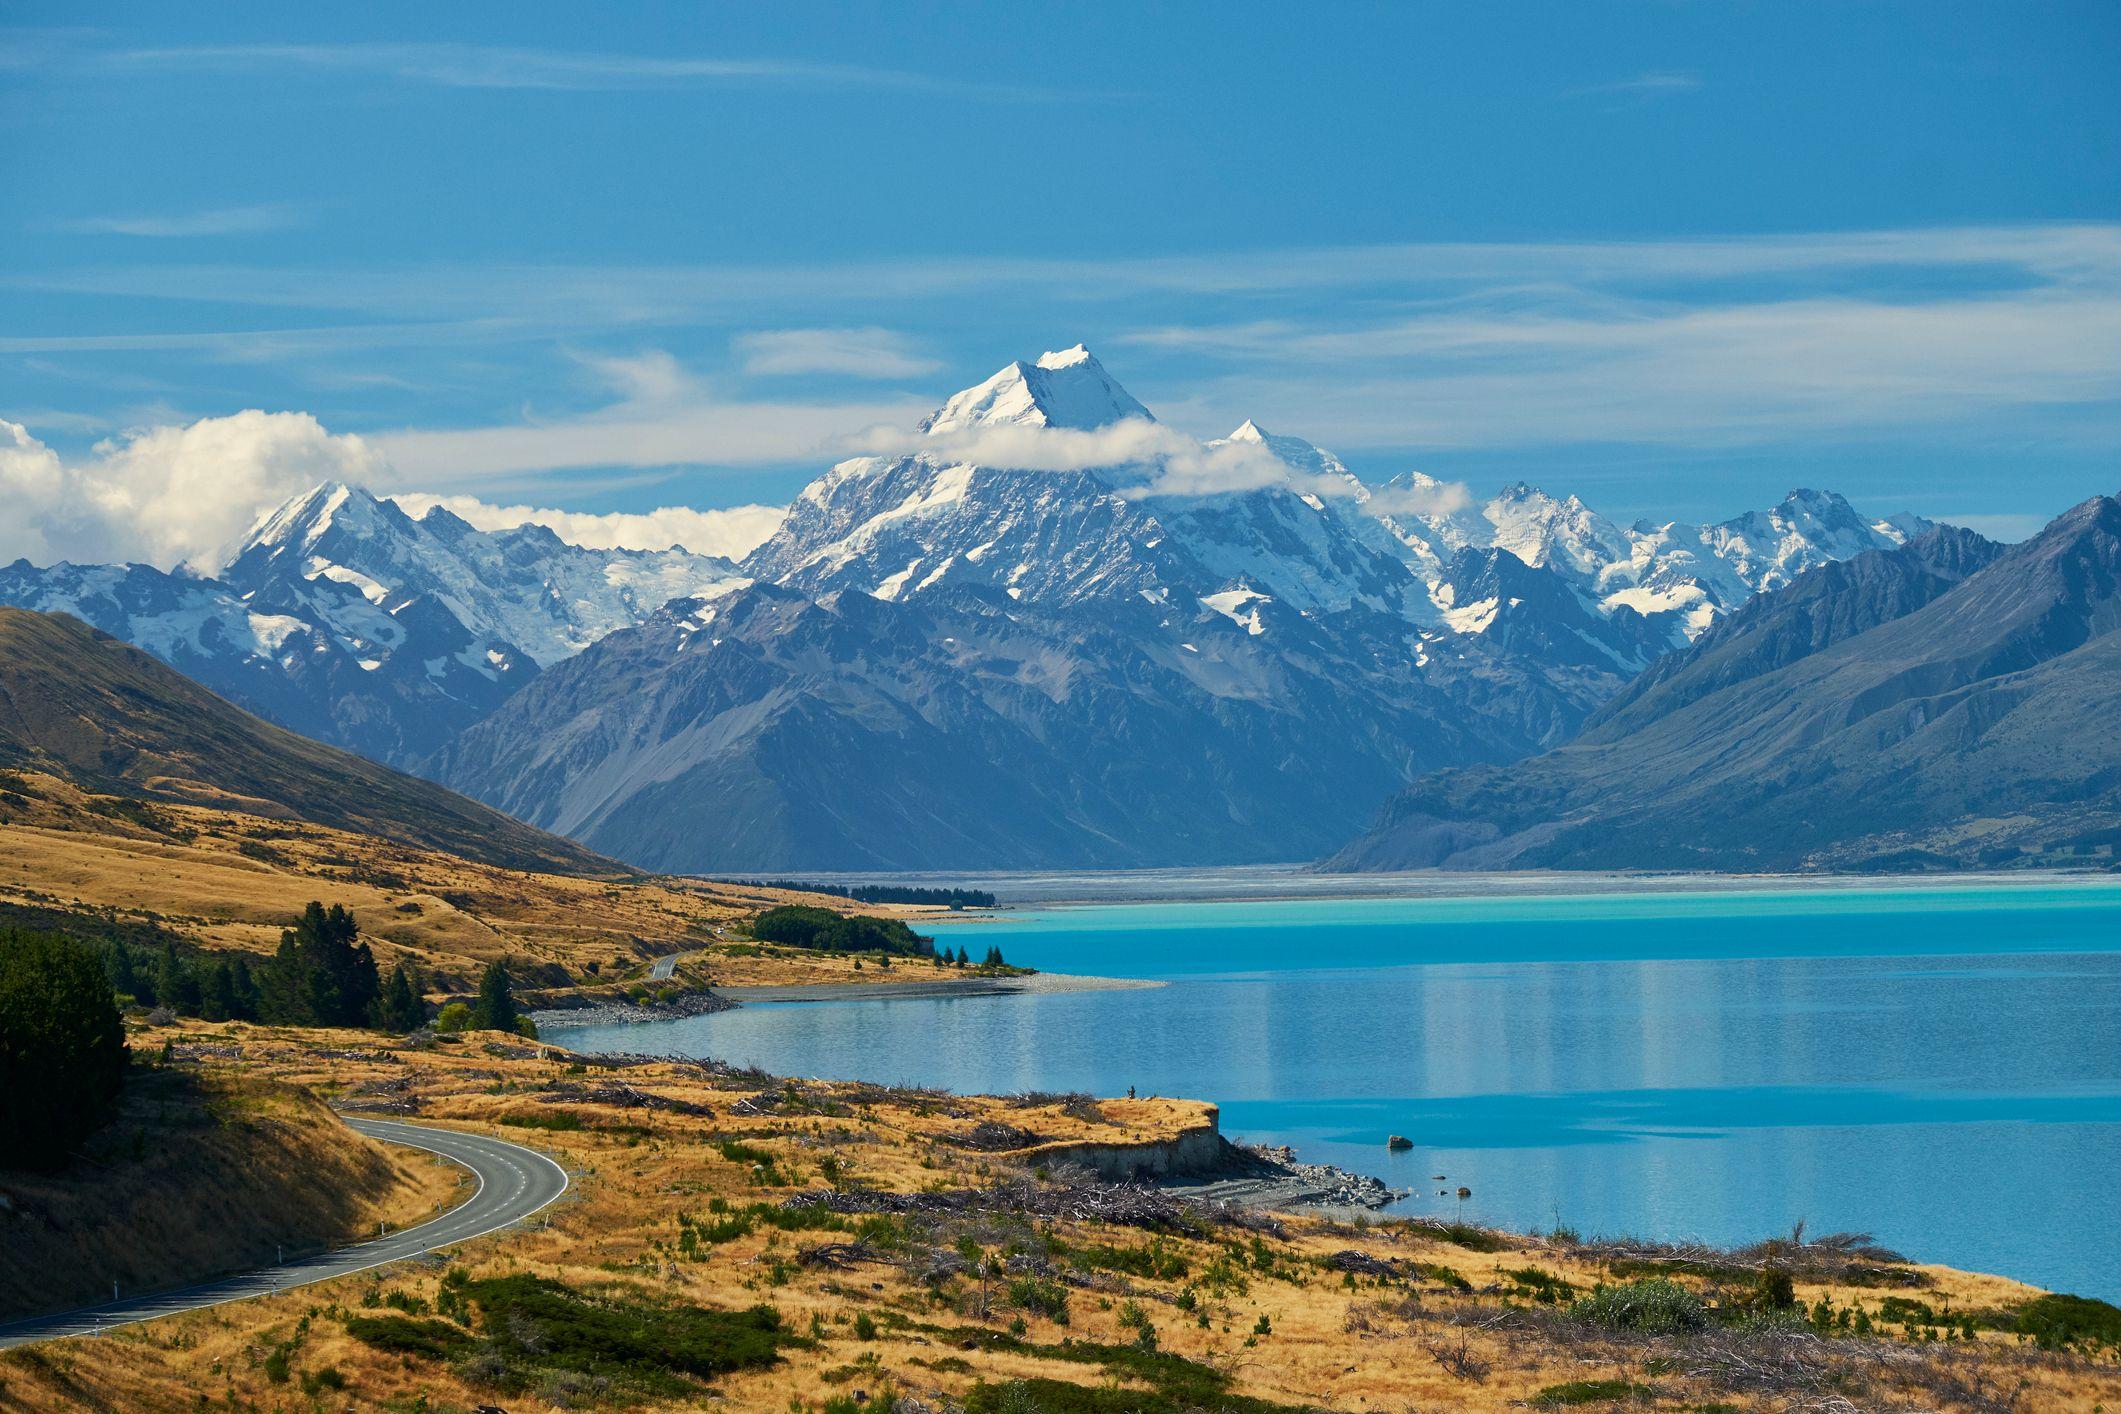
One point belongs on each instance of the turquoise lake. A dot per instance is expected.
(1940, 1067)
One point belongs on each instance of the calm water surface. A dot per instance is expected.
(1939, 1067)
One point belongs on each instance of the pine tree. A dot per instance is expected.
(495, 1010)
(62, 1048)
(400, 1008)
(176, 985)
(322, 975)
(245, 987)
(219, 994)
(122, 980)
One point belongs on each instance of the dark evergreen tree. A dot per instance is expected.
(495, 1010)
(322, 974)
(247, 1000)
(176, 983)
(62, 1048)
(122, 980)
(218, 994)
(400, 1008)
(963, 958)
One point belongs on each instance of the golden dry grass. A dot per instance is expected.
(201, 1174)
(233, 880)
(1352, 1343)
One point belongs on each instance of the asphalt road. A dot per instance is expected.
(664, 966)
(514, 1182)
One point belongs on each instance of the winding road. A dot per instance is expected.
(514, 1182)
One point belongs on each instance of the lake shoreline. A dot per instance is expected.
(1282, 883)
(554, 1020)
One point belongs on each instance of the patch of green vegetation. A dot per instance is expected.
(531, 1327)
(1588, 1392)
(802, 926)
(2057, 1321)
(1540, 1284)
(559, 1121)
(1656, 1307)
(1437, 1272)
(1155, 1260)
(1046, 1298)
(1728, 1273)
(1042, 1396)
(1466, 1235)
(403, 1335)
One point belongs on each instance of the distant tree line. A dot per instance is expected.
(63, 1055)
(321, 976)
(803, 926)
(799, 925)
(878, 893)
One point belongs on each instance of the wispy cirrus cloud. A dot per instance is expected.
(1655, 373)
(857, 353)
(1642, 88)
(480, 66)
(250, 220)
(611, 295)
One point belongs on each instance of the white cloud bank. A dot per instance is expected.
(733, 532)
(185, 495)
(166, 495)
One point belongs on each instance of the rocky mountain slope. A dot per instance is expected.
(951, 660)
(344, 619)
(78, 704)
(1945, 703)
(1044, 629)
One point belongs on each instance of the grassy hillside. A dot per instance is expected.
(199, 1175)
(913, 1243)
(221, 879)
(79, 704)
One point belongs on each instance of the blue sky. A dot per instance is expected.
(1675, 256)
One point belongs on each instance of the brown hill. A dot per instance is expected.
(79, 704)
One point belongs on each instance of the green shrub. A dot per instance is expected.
(1046, 1298)
(534, 1325)
(1541, 1285)
(559, 1121)
(1587, 1392)
(2057, 1321)
(402, 1335)
(1154, 1260)
(1655, 1306)
(453, 1018)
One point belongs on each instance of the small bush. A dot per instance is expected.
(1154, 1260)
(1541, 1285)
(1656, 1307)
(2057, 1321)
(1587, 1392)
(559, 1121)
(401, 1335)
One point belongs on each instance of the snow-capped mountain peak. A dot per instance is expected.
(1066, 389)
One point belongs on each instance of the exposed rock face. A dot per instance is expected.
(1947, 703)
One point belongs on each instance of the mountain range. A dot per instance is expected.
(1946, 703)
(1047, 632)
